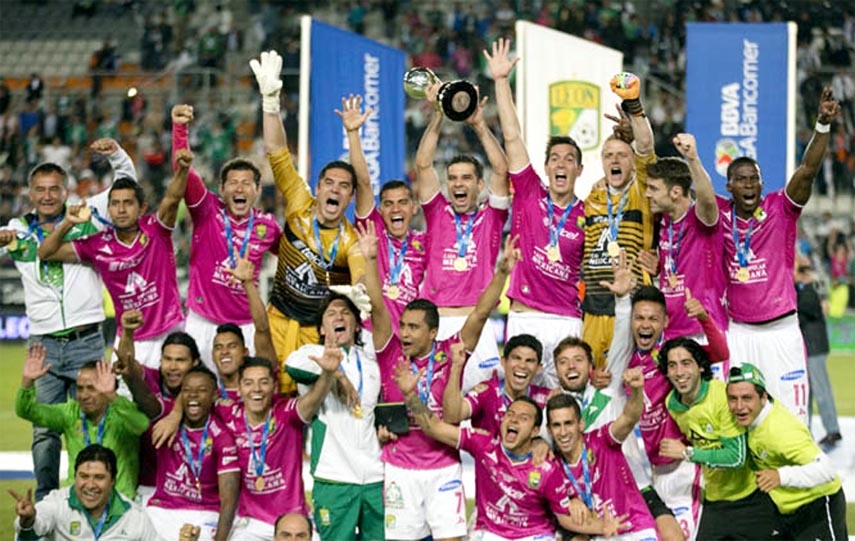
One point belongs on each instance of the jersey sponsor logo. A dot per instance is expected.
(489, 363)
(451, 485)
(74, 528)
(794, 375)
(574, 110)
(394, 500)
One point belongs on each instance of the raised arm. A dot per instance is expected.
(53, 248)
(801, 183)
(167, 210)
(706, 208)
(426, 176)
(182, 115)
(380, 321)
(244, 273)
(131, 371)
(627, 86)
(431, 425)
(309, 404)
(620, 350)
(267, 72)
(634, 407)
(474, 324)
(122, 165)
(501, 67)
(352, 121)
(455, 408)
(495, 154)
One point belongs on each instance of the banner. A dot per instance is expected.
(740, 97)
(334, 64)
(563, 89)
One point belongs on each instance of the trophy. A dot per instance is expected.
(458, 99)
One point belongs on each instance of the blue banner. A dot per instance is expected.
(345, 63)
(739, 102)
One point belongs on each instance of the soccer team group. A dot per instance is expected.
(665, 399)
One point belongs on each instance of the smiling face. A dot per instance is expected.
(47, 194)
(92, 402)
(660, 197)
(93, 484)
(199, 392)
(228, 353)
(573, 369)
(335, 190)
(256, 390)
(520, 366)
(175, 362)
(563, 168)
(518, 427)
(340, 321)
(239, 192)
(566, 429)
(648, 321)
(684, 373)
(618, 163)
(464, 185)
(746, 186)
(397, 209)
(125, 210)
(745, 402)
(415, 334)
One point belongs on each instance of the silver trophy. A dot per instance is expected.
(458, 99)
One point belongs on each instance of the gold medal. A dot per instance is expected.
(356, 411)
(259, 483)
(85, 213)
(742, 274)
(672, 281)
(613, 248)
(553, 253)
(460, 264)
(12, 244)
(393, 292)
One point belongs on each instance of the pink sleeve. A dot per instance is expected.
(196, 188)
(716, 346)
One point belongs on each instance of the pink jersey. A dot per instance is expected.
(139, 276)
(612, 485)
(489, 402)
(694, 249)
(281, 489)
(655, 423)
(412, 269)
(443, 285)
(178, 486)
(513, 499)
(416, 450)
(537, 282)
(769, 292)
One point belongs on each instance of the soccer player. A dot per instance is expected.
(733, 506)
(198, 475)
(617, 215)
(318, 246)
(790, 467)
(403, 250)
(487, 402)
(134, 257)
(514, 498)
(293, 527)
(594, 463)
(98, 415)
(463, 237)
(690, 240)
(63, 300)
(92, 508)
(551, 223)
(226, 228)
(346, 466)
(759, 253)
(416, 467)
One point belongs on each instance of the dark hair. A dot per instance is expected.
(573, 342)
(430, 310)
(472, 160)
(181, 338)
(240, 164)
(202, 369)
(560, 401)
(563, 140)
(524, 341)
(231, 328)
(304, 517)
(697, 352)
(250, 362)
(538, 411)
(49, 168)
(331, 297)
(742, 160)
(394, 185)
(340, 164)
(97, 453)
(673, 172)
(126, 183)
(648, 294)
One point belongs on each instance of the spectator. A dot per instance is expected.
(35, 87)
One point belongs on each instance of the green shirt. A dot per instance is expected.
(780, 440)
(719, 442)
(122, 429)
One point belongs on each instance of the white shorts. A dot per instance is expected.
(778, 350)
(650, 534)
(168, 522)
(147, 352)
(250, 529)
(420, 503)
(679, 486)
(204, 330)
(484, 535)
(549, 329)
(484, 360)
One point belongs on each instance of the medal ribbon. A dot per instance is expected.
(107, 223)
(326, 265)
(506, 398)
(424, 385)
(101, 424)
(555, 230)
(359, 369)
(229, 240)
(36, 227)
(396, 264)
(614, 219)
(674, 249)
(463, 240)
(514, 456)
(586, 495)
(741, 250)
(256, 460)
(195, 463)
(98, 526)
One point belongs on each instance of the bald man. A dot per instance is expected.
(293, 527)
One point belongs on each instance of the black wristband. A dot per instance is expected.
(632, 107)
